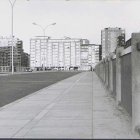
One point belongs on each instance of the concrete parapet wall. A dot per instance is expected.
(120, 73)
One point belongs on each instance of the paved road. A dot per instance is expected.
(13, 87)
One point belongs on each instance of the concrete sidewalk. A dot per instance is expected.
(77, 107)
(109, 120)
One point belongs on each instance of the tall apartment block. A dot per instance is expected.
(109, 37)
(65, 53)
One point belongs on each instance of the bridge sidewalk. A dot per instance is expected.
(109, 121)
(77, 107)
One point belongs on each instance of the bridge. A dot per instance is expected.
(77, 107)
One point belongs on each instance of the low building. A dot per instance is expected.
(18, 55)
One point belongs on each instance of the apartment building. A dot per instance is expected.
(65, 53)
(109, 37)
(6, 54)
(90, 56)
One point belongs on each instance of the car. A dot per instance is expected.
(28, 70)
(55, 68)
(71, 68)
(62, 68)
(48, 68)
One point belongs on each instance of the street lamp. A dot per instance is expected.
(12, 12)
(12, 3)
(43, 29)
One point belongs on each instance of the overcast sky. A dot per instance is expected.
(74, 18)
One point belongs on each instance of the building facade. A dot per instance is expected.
(91, 56)
(95, 55)
(66, 53)
(54, 52)
(109, 38)
(18, 55)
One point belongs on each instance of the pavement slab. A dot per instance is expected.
(77, 107)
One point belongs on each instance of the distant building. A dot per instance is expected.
(92, 53)
(109, 37)
(100, 52)
(25, 59)
(7, 41)
(121, 40)
(65, 53)
(96, 55)
(18, 55)
(3, 58)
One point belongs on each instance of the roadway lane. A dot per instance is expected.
(13, 87)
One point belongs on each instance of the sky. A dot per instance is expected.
(74, 18)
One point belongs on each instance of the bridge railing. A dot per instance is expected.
(120, 73)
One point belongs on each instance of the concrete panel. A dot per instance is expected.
(126, 83)
(118, 75)
(135, 57)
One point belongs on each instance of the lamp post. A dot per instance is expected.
(12, 3)
(12, 13)
(43, 29)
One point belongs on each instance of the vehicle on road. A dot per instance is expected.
(62, 68)
(28, 70)
(48, 68)
(55, 68)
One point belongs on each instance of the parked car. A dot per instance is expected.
(71, 68)
(55, 68)
(62, 68)
(28, 70)
(48, 68)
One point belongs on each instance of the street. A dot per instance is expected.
(13, 87)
